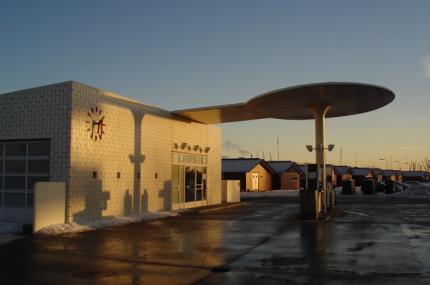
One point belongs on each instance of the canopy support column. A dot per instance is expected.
(319, 113)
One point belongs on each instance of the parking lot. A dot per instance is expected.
(373, 240)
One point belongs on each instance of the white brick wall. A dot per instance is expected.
(129, 124)
(38, 113)
(58, 112)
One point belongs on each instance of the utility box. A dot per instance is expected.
(312, 177)
(368, 187)
(348, 187)
(309, 204)
(230, 191)
(49, 204)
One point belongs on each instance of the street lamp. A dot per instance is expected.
(386, 165)
(310, 148)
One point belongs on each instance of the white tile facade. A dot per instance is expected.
(138, 139)
(38, 113)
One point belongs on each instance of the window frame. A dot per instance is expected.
(27, 191)
(199, 161)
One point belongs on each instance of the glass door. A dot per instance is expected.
(189, 176)
(190, 184)
(199, 184)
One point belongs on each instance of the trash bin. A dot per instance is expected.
(368, 187)
(348, 187)
(389, 187)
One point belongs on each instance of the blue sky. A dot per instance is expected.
(183, 54)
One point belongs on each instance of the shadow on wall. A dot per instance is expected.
(128, 203)
(96, 202)
(166, 194)
(134, 201)
(137, 160)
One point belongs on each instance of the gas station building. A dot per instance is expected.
(120, 157)
(117, 156)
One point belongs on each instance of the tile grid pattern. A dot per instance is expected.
(128, 126)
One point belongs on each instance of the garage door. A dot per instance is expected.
(22, 164)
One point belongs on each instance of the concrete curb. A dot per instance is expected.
(212, 208)
(223, 207)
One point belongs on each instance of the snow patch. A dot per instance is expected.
(415, 192)
(102, 223)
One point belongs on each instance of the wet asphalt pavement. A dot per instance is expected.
(374, 241)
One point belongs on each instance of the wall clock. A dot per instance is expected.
(95, 123)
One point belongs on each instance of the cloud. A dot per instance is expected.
(426, 63)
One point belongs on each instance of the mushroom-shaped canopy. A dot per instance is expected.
(297, 103)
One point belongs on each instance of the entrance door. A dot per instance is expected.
(254, 185)
(190, 184)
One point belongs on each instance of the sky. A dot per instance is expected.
(185, 54)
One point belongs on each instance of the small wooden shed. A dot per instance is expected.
(342, 173)
(255, 174)
(287, 176)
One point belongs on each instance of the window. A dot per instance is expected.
(15, 166)
(15, 149)
(38, 149)
(14, 199)
(22, 164)
(14, 182)
(38, 166)
(31, 180)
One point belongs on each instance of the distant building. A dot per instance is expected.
(304, 169)
(422, 176)
(287, 176)
(377, 174)
(388, 174)
(255, 174)
(360, 173)
(399, 175)
(342, 173)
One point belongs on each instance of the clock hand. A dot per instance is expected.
(92, 128)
